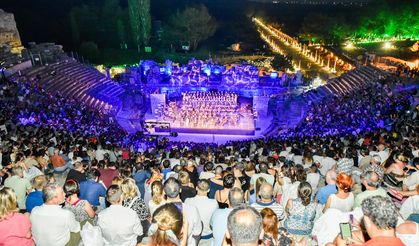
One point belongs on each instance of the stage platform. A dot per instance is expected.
(226, 131)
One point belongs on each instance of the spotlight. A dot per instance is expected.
(387, 46)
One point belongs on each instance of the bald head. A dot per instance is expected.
(266, 191)
(244, 226)
(235, 197)
(331, 177)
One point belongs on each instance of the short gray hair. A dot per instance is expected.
(372, 178)
(18, 170)
(203, 185)
(235, 197)
(266, 191)
(171, 187)
(244, 225)
(381, 211)
(49, 191)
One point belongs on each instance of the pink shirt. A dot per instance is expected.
(14, 230)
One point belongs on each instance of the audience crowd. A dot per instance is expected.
(71, 176)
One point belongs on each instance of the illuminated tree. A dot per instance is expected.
(140, 19)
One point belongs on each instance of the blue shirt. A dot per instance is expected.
(91, 191)
(213, 188)
(34, 199)
(218, 224)
(325, 192)
(140, 177)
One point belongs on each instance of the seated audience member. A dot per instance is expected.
(244, 226)
(119, 225)
(77, 173)
(218, 220)
(301, 212)
(168, 227)
(371, 181)
(344, 198)
(132, 200)
(253, 195)
(325, 191)
(208, 171)
(172, 192)
(380, 221)
(263, 172)
(91, 190)
(313, 177)
(35, 197)
(20, 186)
(206, 208)
(410, 208)
(270, 227)
(187, 188)
(81, 209)
(51, 224)
(15, 227)
(221, 196)
(266, 200)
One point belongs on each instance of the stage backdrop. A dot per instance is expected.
(260, 105)
(155, 101)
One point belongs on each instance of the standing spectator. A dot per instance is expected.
(58, 162)
(15, 227)
(20, 186)
(187, 188)
(51, 224)
(91, 190)
(344, 198)
(77, 173)
(141, 176)
(206, 208)
(35, 197)
(263, 172)
(119, 225)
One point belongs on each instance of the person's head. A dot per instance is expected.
(249, 166)
(78, 166)
(166, 164)
(379, 214)
(93, 174)
(114, 195)
(270, 222)
(218, 170)
(39, 182)
(17, 171)
(184, 178)
(228, 181)
(8, 202)
(118, 180)
(129, 188)
(304, 192)
(331, 177)
(344, 182)
(244, 226)
(235, 197)
(166, 225)
(172, 188)
(53, 194)
(313, 168)
(266, 192)
(381, 147)
(370, 179)
(209, 166)
(263, 168)
(157, 191)
(203, 187)
(71, 187)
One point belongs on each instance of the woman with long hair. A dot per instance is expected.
(15, 227)
(270, 227)
(168, 228)
(301, 212)
(157, 197)
(344, 198)
(132, 200)
(251, 196)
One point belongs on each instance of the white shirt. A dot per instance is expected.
(383, 155)
(194, 222)
(120, 226)
(412, 180)
(410, 206)
(206, 208)
(326, 163)
(313, 180)
(51, 225)
(100, 154)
